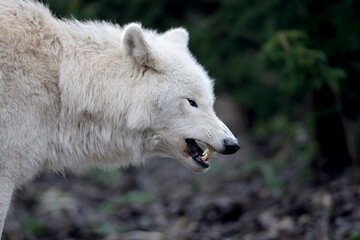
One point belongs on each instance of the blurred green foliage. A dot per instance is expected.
(271, 179)
(281, 60)
(33, 226)
(134, 197)
(270, 172)
(356, 236)
(107, 177)
(303, 70)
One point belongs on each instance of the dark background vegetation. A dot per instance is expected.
(290, 70)
(289, 64)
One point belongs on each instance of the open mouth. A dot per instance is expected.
(201, 157)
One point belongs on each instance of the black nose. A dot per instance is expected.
(230, 146)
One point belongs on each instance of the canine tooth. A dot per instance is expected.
(207, 153)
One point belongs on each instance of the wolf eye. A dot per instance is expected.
(192, 103)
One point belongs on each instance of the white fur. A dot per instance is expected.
(75, 95)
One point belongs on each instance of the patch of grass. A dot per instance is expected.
(133, 197)
(141, 197)
(107, 177)
(269, 171)
(249, 168)
(269, 174)
(356, 236)
(105, 228)
(219, 167)
(33, 226)
(308, 154)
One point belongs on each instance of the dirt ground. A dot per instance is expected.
(235, 200)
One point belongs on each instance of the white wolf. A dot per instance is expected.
(75, 95)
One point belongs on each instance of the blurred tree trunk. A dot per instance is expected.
(333, 152)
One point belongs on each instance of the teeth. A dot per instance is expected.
(207, 153)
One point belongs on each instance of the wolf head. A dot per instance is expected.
(173, 97)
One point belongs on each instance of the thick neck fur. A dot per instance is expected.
(92, 126)
(93, 78)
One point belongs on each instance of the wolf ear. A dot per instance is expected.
(135, 45)
(178, 35)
